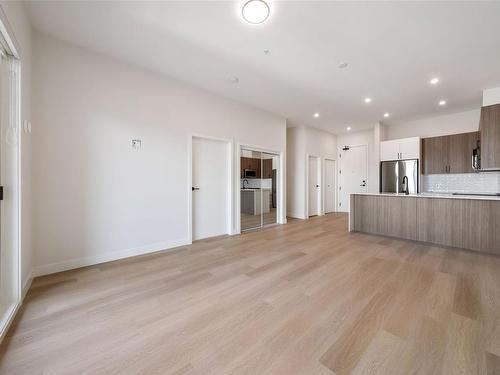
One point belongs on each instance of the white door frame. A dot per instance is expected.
(230, 168)
(320, 178)
(339, 184)
(336, 195)
(13, 47)
(280, 187)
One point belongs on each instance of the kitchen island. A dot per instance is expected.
(463, 221)
(255, 201)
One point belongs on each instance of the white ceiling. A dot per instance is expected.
(392, 48)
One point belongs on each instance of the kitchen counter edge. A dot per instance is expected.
(433, 196)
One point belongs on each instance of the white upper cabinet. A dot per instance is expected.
(389, 150)
(409, 148)
(397, 149)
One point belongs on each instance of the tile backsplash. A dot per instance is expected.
(257, 183)
(486, 182)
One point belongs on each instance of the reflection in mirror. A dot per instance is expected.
(250, 202)
(269, 186)
(258, 189)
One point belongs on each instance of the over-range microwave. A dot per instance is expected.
(249, 173)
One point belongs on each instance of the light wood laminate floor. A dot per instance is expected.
(249, 222)
(303, 298)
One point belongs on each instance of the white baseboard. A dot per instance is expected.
(70, 264)
(296, 215)
(15, 308)
(26, 285)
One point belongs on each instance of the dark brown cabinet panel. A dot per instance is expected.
(465, 223)
(440, 221)
(489, 127)
(435, 155)
(267, 168)
(388, 216)
(250, 163)
(448, 154)
(460, 152)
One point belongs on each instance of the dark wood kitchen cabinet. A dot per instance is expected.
(267, 168)
(250, 163)
(449, 153)
(460, 152)
(434, 155)
(458, 222)
(489, 126)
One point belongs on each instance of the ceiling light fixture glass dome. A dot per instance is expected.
(255, 11)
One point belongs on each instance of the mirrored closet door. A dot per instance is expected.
(258, 188)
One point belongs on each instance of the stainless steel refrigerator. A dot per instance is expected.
(400, 176)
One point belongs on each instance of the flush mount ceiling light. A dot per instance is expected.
(434, 81)
(348, 128)
(442, 102)
(368, 100)
(255, 11)
(386, 114)
(316, 115)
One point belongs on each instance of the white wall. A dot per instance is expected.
(301, 142)
(96, 199)
(455, 123)
(363, 138)
(320, 143)
(21, 28)
(379, 134)
(295, 172)
(491, 96)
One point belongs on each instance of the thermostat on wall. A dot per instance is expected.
(136, 144)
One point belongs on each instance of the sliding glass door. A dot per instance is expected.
(258, 189)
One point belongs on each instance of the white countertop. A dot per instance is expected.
(436, 195)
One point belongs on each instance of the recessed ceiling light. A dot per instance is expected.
(343, 65)
(386, 114)
(434, 81)
(234, 79)
(442, 102)
(255, 11)
(316, 115)
(348, 128)
(368, 100)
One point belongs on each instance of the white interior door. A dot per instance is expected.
(314, 187)
(353, 174)
(329, 186)
(210, 188)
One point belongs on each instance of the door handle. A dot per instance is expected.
(195, 188)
